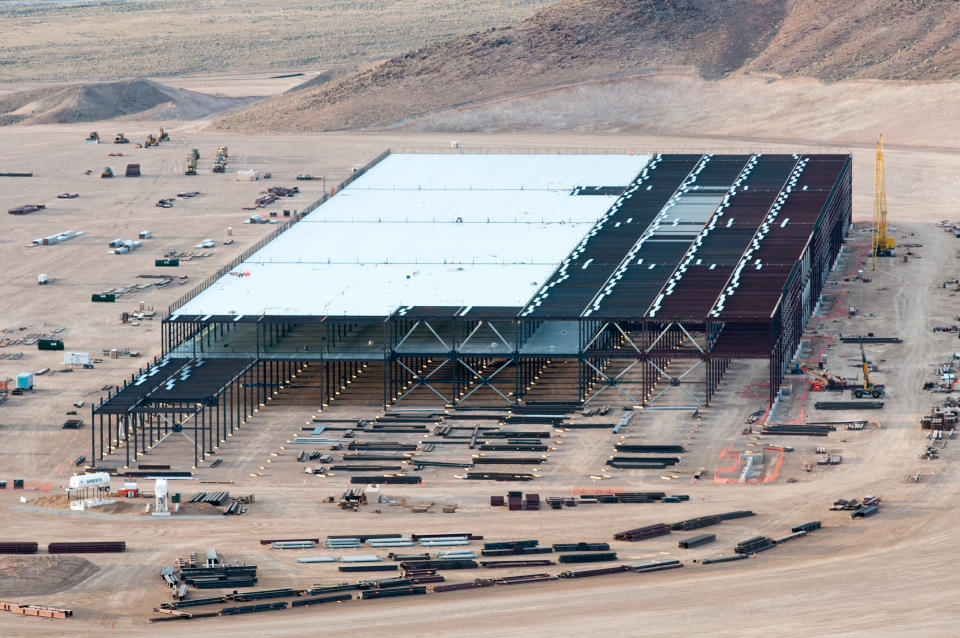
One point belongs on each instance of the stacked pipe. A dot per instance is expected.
(101, 547)
(806, 527)
(642, 462)
(754, 545)
(585, 573)
(697, 541)
(516, 563)
(213, 498)
(11, 547)
(654, 566)
(798, 430)
(643, 533)
(385, 480)
(581, 547)
(596, 557)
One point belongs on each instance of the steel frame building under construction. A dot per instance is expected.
(459, 279)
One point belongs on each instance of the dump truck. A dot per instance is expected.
(120, 138)
(191, 166)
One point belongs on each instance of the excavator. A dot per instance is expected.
(191, 166)
(164, 137)
(151, 141)
(869, 388)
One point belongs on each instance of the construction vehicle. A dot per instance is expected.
(164, 137)
(151, 141)
(107, 172)
(222, 151)
(823, 380)
(869, 388)
(882, 241)
(191, 166)
(93, 138)
(219, 167)
(120, 138)
(195, 154)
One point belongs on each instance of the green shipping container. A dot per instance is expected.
(166, 262)
(103, 296)
(49, 344)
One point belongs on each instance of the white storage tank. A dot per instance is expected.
(95, 479)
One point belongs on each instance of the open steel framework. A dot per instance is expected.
(701, 259)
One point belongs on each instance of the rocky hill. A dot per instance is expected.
(101, 101)
(579, 41)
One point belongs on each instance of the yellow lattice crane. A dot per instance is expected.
(882, 242)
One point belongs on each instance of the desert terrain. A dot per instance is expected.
(782, 91)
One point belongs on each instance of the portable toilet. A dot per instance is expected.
(25, 381)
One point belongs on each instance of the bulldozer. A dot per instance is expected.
(164, 137)
(191, 166)
(107, 172)
(151, 141)
(120, 138)
(93, 138)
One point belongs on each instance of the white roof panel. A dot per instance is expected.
(426, 230)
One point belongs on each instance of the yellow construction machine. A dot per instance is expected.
(93, 138)
(191, 166)
(107, 172)
(164, 137)
(882, 241)
(120, 138)
(151, 141)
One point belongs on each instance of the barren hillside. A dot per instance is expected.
(585, 40)
(92, 102)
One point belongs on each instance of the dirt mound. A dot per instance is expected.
(578, 41)
(41, 574)
(93, 102)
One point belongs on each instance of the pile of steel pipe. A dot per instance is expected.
(366, 468)
(465, 535)
(101, 547)
(249, 609)
(10, 547)
(293, 545)
(654, 566)
(385, 480)
(806, 527)
(213, 498)
(479, 582)
(581, 547)
(790, 537)
(331, 589)
(866, 510)
(389, 593)
(263, 594)
(754, 545)
(848, 405)
(196, 602)
(450, 563)
(499, 476)
(631, 448)
(798, 430)
(596, 557)
(721, 559)
(507, 460)
(643, 533)
(513, 447)
(367, 568)
(515, 563)
(697, 541)
(729, 516)
(585, 573)
(303, 602)
(525, 579)
(517, 551)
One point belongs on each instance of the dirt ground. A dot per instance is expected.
(852, 578)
